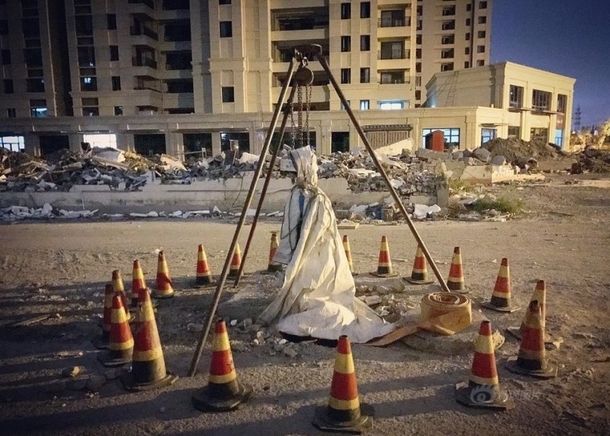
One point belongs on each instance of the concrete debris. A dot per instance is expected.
(13, 213)
(592, 160)
(523, 154)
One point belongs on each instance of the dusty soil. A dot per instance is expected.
(59, 269)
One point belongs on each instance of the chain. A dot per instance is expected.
(307, 104)
(300, 115)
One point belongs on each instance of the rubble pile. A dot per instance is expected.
(592, 160)
(523, 154)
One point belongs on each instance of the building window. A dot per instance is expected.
(116, 83)
(539, 133)
(228, 94)
(448, 11)
(224, 2)
(343, 107)
(111, 18)
(467, 36)
(515, 96)
(391, 105)
(447, 39)
(482, 5)
(346, 43)
(365, 105)
(346, 11)
(480, 63)
(468, 22)
(91, 111)
(418, 53)
(418, 39)
(394, 18)
(13, 143)
(447, 66)
(86, 56)
(88, 84)
(365, 10)
(118, 110)
(114, 52)
(481, 34)
(226, 29)
(418, 67)
(11, 113)
(418, 94)
(559, 137)
(514, 131)
(468, 7)
(487, 135)
(448, 25)
(480, 49)
(365, 42)
(541, 100)
(466, 64)
(392, 50)
(452, 136)
(6, 57)
(365, 75)
(346, 74)
(35, 85)
(33, 57)
(467, 51)
(417, 80)
(90, 101)
(482, 20)
(84, 25)
(38, 108)
(562, 104)
(447, 53)
(8, 86)
(389, 77)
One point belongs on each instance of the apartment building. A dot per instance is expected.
(178, 76)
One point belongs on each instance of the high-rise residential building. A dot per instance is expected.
(177, 76)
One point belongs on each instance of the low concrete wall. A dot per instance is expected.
(227, 195)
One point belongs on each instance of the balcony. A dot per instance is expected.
(139, 31)
(139, 62)
(395, 53)
(394, 22)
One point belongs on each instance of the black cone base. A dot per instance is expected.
(100, 343)
(202, 282)
(203, 399)
(359, 425)
(133, 386)
(418, 282)
(384, 275)
(161, 296)
(509, 309)
(463, 396)
(106, 359)
(549, 372)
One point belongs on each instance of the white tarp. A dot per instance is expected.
(318, 294)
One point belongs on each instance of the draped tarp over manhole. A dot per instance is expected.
(318, 296)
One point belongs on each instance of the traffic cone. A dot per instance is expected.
(121, 340)
(223, 391)
(501, 298)
(419, 273)
(344, 413)
(117, 285)
(455, 281)
(163, 284)
(384, 265)
(348, 253)
(137, 282)
(531, 359)
(483, 388)
(148, 364)
(103, 342)
(235, 262)
(538, 295)
(204, 275)
(274, 245)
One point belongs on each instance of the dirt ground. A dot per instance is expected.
(60, 268)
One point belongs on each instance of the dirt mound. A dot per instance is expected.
(518, 151)
(592, 160)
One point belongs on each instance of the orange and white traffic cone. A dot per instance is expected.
(272, 266)
(344, 413)
(163, 284)
(103, 341)
(501, 296)
(483, 388)
(137, 282)
(117, 284)
(204, 274)
(531, 359)
(120, 346)
(223, 391)
(455, 281)
(419, 273)
(235, 262)
(148, 369)
(348, 253)
(538, 295)
(384, 264)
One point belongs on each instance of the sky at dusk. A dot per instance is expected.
(568, 37)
